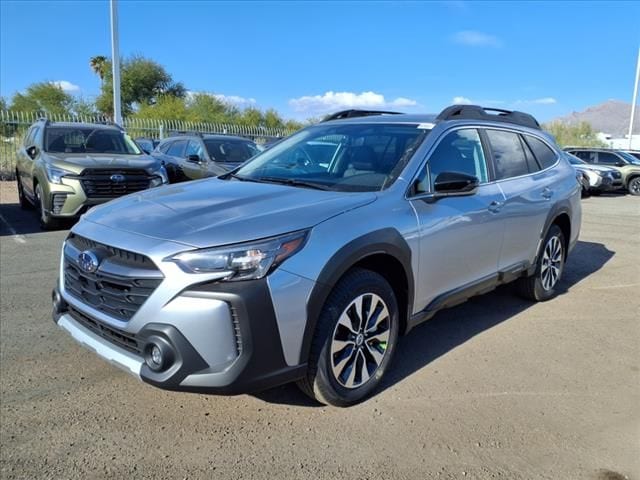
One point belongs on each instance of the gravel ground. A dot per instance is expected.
(494, 388)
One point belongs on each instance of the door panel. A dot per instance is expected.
(460, 241)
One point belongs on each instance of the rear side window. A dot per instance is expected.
(545, 156)
(164, 147)
(508, 154)
(607, 158)
(177, 148)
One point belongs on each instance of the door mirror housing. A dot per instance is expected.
(452, 184)
(194, 158)
(620, 163)
(32, 151)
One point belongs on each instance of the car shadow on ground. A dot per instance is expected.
(452, 327)
(16, 221)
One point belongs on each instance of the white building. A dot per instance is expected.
(620, 143)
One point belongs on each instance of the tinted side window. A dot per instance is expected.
(459, 151)
(164, 148)
(28, 138)
(177, 148)
(532, 164)
(607, 158)
(508, 154)
(195, 148)
(545, 156)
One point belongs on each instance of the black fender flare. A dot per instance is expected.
(558, 209)
(386, 241)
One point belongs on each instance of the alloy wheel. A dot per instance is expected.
(551, 263)
(359, 342)
(634, 186)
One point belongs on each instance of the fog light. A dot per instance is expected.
(156, 355)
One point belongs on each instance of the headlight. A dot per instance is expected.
(55, 174)
(247, 261)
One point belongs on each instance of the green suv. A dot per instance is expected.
(626, 164)
(65, 168)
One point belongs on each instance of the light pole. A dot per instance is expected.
(115, 63)
(635, 99)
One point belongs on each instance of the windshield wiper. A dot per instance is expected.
(229, 175)
(293, 182)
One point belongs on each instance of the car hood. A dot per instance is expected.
(594, 168)
(214, 212)
(76, 162)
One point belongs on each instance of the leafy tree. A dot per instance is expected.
(207, 108)
(252, 117)
(580, 134)
(43, 97)
(142, 82)
(3, 103)
(167, 107)
(84, 108)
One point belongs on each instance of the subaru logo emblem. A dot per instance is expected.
(88, 261)
(117, 178)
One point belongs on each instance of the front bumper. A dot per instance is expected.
(236, 321)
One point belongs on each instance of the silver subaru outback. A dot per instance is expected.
(309, 261)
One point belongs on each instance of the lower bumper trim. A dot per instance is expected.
(111, 353)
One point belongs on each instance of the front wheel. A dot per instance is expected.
(47, 222)
(542, 284)
(355, 338)
(634, 186)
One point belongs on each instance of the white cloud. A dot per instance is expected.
(67, 86)
(473, 38)
(341, 100)
(235, 99)
(461, 101)
(229, 99)
(545, 101)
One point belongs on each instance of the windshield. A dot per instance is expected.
(573, 160)
(351, 157)
(629, 158)
(89, 140)
(230, 151)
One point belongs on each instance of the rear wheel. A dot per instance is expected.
(25, 204)
(355, 338)
(634, 186)
(542, 284)
(47, 222)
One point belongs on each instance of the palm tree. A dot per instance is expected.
(99, 66)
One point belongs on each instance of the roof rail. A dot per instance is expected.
(476, 112)
(175, 133)
(352, 113)
(110, 123)
(45, 120)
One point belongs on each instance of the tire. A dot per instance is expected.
(586, 193)
(634, 186)
(541, 286)
(47, 222)
(25, 204)
(366, 350)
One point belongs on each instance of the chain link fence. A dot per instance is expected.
(14, 125)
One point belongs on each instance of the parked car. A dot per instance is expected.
(147, 145)
(292, 268)
(596, 178)
(626, 164)
(634, 153)
(65, 168)
(191, 157)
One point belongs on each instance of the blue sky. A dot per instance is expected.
(305, 59)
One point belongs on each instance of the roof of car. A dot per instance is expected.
(106, 126)
(390, 118)
(206, 136)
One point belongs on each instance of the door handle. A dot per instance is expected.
(547, 193)
(495, 206)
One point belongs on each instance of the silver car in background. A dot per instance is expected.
(598, 178)
(307, 262)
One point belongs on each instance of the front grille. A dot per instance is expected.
(123, 339)
(118, 295)
(58, 202)
(113, 183)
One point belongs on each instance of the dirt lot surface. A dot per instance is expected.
(494, 388)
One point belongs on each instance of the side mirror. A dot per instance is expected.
(32, 151)
(455, 183)
(620, 164)
(194, 159)
(452, 184)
